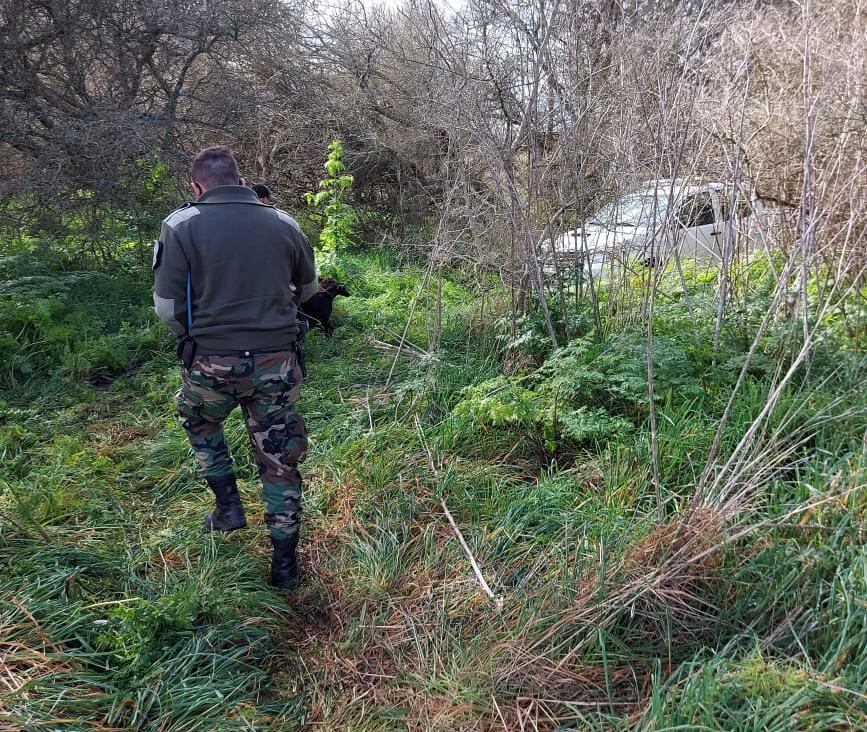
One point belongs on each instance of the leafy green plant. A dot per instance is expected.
(332, 213)
(87, 324)
(137, 631)
(585, 391)
(539, 415)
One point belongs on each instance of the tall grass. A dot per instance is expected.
(741, 610)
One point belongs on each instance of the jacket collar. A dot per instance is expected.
(229, 194)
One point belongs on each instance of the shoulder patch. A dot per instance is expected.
(158, 253)
(178, 216)
(286, 218)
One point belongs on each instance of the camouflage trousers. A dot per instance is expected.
(266, 386)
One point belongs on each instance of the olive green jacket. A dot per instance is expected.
(245, 266)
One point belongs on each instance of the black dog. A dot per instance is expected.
(317, 310)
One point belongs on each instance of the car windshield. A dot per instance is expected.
(634, 209)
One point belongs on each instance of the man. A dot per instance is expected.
(228, 273)
(263, 192)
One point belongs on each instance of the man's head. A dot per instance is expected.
(214, 166)
(263, 192)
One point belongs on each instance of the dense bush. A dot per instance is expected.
(57, 321)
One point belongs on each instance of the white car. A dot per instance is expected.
(648, 227)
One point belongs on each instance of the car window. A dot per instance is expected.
(696, 210)
(635, 209)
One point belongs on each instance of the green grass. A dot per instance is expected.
(118, 612)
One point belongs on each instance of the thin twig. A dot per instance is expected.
(369, 413)
(498, 601)
(409, 321)
(430, 460)
(403, 349)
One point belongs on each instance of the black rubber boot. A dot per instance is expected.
(228, 514)
(284, 563)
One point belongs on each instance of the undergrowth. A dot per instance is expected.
(117, 612)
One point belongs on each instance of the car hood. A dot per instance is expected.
(601, 243)
(596, 237)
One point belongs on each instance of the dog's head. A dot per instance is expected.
(333, 287)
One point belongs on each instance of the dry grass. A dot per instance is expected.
(655, 588)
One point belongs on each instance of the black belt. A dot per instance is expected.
(203, 351)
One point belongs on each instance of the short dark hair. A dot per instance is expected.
(262, 190)
(216, 166)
